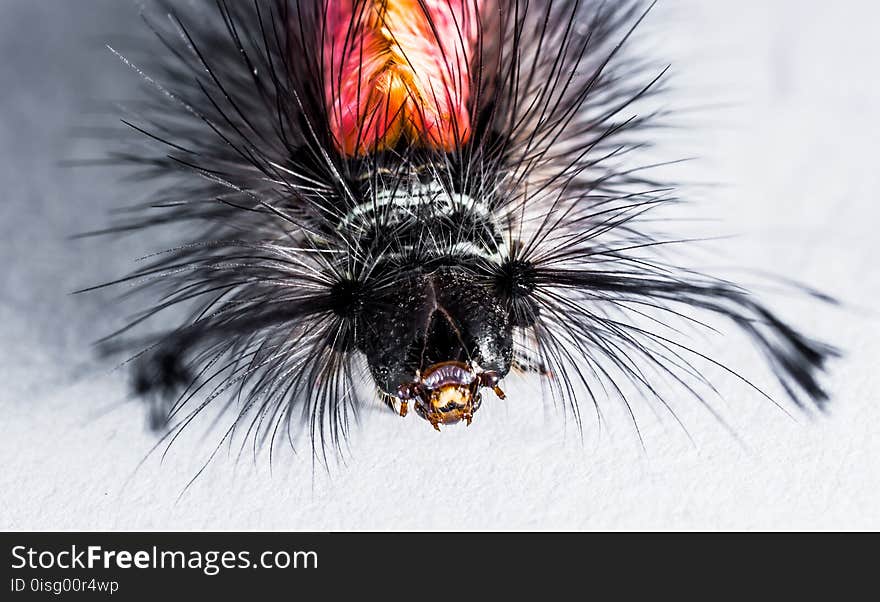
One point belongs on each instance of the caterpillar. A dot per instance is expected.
(408, 201)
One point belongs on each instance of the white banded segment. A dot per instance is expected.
(424, 215)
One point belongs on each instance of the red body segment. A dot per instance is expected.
(399, 70)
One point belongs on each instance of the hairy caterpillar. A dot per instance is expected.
(423, 195)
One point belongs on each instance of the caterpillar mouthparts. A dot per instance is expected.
(448, 393)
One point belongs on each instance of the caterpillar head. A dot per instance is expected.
(437, 339)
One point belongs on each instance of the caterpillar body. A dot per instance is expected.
(423, 195)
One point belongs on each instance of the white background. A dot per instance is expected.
(788, 120)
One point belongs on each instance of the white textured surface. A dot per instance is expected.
(798, 151)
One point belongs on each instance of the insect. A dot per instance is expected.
(416, 198)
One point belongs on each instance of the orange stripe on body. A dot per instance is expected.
(399, 70)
